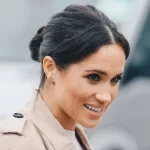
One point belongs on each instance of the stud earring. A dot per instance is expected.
(50, 79)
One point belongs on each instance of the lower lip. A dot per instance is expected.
(96, 114)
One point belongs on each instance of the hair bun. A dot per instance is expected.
(35, 44)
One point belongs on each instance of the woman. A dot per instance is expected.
(83, 57)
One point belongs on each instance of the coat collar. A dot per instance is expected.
(37, 111)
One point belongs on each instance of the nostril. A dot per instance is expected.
(102, 102)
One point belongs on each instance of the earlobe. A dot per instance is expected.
(51, 79)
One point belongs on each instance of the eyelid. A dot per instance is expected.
(93, 74)
(96, 74)
(119, 77)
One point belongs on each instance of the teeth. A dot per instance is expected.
(93, 108)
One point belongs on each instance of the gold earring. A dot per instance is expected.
(50, 79)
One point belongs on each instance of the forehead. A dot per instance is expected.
(109, 58)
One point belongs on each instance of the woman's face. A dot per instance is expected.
(85, 90)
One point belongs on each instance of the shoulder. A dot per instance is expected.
(12, 135)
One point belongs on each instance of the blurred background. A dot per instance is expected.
(126, 124)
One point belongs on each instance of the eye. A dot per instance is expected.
(116, 80)
(93, 77)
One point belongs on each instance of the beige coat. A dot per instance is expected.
(35, 128)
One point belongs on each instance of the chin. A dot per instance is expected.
(89, 124)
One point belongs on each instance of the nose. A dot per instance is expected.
(104, 98)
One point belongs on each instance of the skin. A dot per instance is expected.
(93, 81)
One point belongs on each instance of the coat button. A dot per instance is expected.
(18, 115)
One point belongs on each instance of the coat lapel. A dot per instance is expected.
(37, 111)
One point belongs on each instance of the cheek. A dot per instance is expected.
(78, 92)
(73, 98)
(71, 92)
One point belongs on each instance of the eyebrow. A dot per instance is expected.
(102, 72)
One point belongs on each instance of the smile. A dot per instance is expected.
(98, 110)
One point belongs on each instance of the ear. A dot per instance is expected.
(49, 67)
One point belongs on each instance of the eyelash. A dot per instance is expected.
(96, 77)
(115, 82)
(93, 77)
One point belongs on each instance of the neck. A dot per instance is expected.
(65, 120)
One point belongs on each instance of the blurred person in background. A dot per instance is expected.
(82, 56)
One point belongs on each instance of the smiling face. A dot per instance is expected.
(84, 91)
